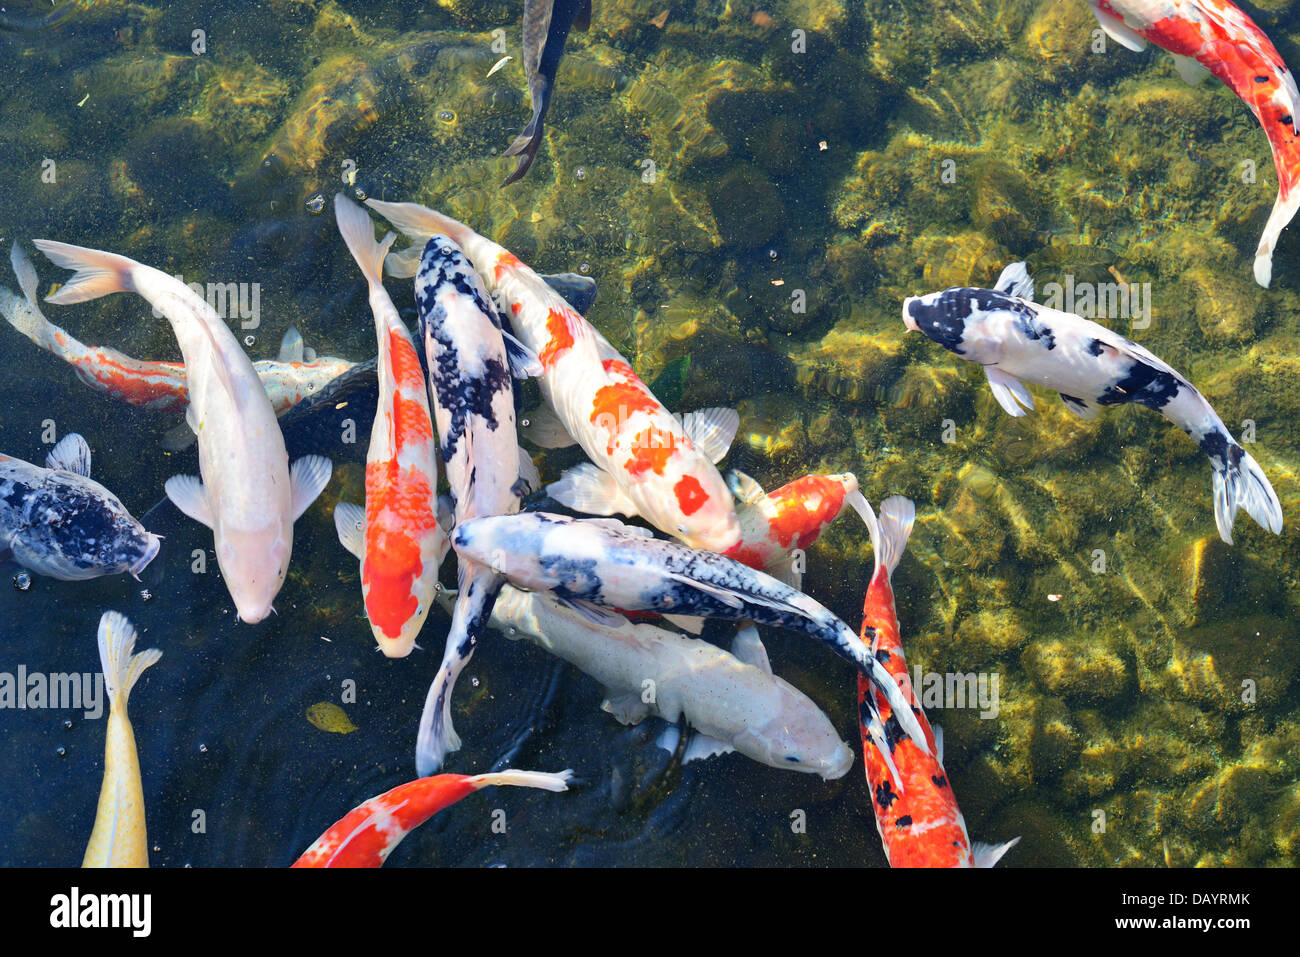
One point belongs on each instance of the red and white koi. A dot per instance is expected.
(157, 385)
(368, 833)
(248, 496)
(1215, 36)
(396, 537)
(917, 816)
(647, 462)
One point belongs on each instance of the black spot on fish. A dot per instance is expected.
(1287, 120)
(885, 795)
(944, 320)
(575, 577)
(882, 655)
(1225, 455)
(939, 780)
(1096, 347)
(904, 822)
(1261, 79)
(894, 732)
(1144, 384)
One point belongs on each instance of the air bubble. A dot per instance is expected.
(22, 581)
(249, 340)
(316, 204)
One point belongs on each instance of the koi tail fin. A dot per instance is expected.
(1284, 209)
(97, 273)
(421, 222)
(1241, 483)
(122, 669)
(358, 232)
(437, 738)
(890, 532)
(546, 780)
(986, 855)
(25, 314)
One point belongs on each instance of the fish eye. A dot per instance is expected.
(681, 529)
(793, 759)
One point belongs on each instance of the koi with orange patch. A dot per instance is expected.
(157, 385)
(396, 537)
(917, 816)
(368, 833)
(471, 361)
(1216, 37)
(647, 462)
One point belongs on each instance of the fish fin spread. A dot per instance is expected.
(292, 348)
(746, 490)
(529, 478)
(1191, 71)
(404, 263)
(1009, 390)
(525, 144)
(72, 454)
(358, 232)
(938, 742)
(524, 363)
(749, 648)
(308, 477)
(598, 616)
(689, 623)
(24, 271)
(545, 430)
(712, 431)
(702, 747)
(546, 780)
(350, 523)
(97, 273)
(626, 708)
(897, 516)
(188, 495)
(309, 354)
(1016, 281)
(587, 488)
(1284, 210)
(986, 855)
(1244, 485)
(730, 599)
(421, 222)
(1117, 31)
(1079, 407)
(179, 437)
(122, 669)
(786, 570)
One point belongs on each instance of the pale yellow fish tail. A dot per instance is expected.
(119, 837)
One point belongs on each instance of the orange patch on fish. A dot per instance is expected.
(399, 509)
(651, 450)
(690, 494)
(804, 508)
(560, 329)
(505, 262)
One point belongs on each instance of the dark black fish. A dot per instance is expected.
(546, 27)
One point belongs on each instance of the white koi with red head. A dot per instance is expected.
(248, 496)
(648, 463)
(1216, 37)
(397, 538)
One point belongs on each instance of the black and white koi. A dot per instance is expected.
(593, 564)
(1016, 339)
(57, 521)
(469, 359)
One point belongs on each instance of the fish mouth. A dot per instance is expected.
(907, 313)
(150, 553)
(839, 764)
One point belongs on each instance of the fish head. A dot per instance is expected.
(253, 562)
(83, 531)
(965, 320)
(700, 509)
(798, 738)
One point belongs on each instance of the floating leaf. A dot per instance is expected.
(330, 717)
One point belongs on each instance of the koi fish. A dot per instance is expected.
(732, 699)
(368, 833)
(775, 527)
(1090, 366)
(396, 537)
(589, 563)
(917, 816)
(647, 462)
(546, 27)
(119, 838)
(57, 521)
(470, 360)
(157, 385)
(1215, 36)
(248, 496)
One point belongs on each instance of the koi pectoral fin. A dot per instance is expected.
(1009, 391)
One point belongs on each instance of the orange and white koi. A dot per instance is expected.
(1215, 36)
(161, 386)
(396, 537)
(119, 838)
(368, 833)
(917, 816)
(776, 527)
(248, 495)
(647, 462)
